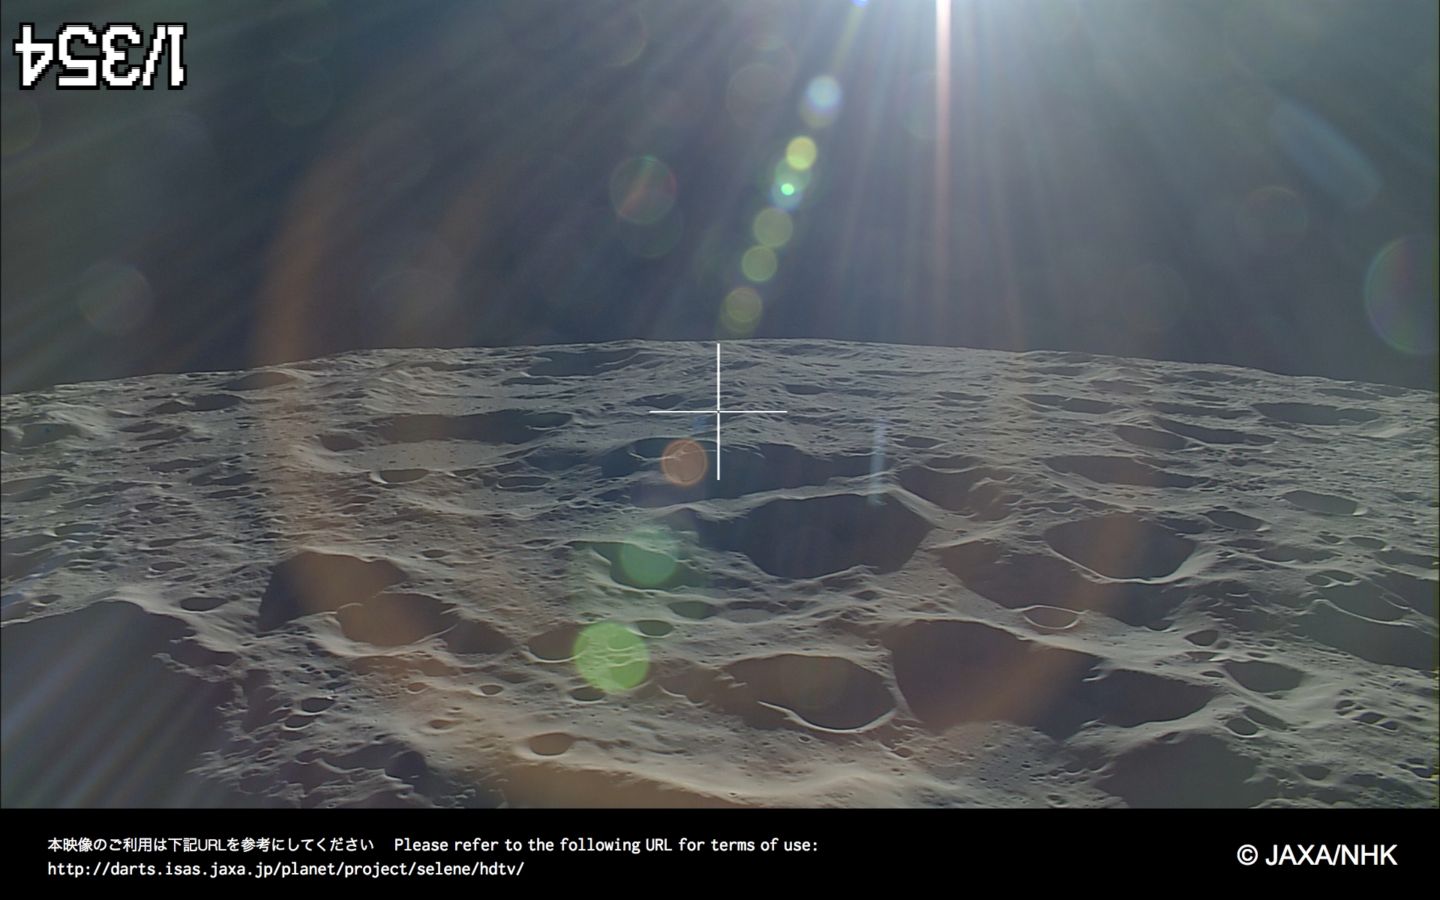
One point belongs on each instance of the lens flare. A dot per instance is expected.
(1325, 155)
(611, 657)
(753, 91)
(684, 462)
(773, 227)
(1400, 290)
(759, 264)
(1272, 220)
(788, 185)
(800, 153)
(740, 312)
(821, 102)
(115, 298)
(648, 558)
(642, 190)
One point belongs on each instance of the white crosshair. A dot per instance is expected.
(717, 411)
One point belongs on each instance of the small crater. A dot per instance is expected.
(1120, 470)
(1236, 521)
(1324, 504)
(1420, 594)
(25, 490)
(39, 434)
(1242, 726)
(648, 565)
(565, 364)
(395, 620)
(259, 381)
(470, 638)
(312, 582)
(654, 628)
(948, 670)
(694, 610)
(1397, 557)
(508, 426)
(1191, 770)
(916, 442)
(1149, 437)
(552, 744)
(556, 645)
(1018, 580)
(203, 604)
(1315, 414)
(338, 443)
(1121, 546)
(1387, 643)
(1196, 410)
(953, 397)
(1070, 404)
(400, 476)
(1286, 553)
(973, 492)
(827, 692)
(1263, 677)
(1050, 618)
(1363, 599)
(1111, 386)
(1214, 435)
(821, 535)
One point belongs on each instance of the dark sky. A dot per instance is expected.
(1231, 182)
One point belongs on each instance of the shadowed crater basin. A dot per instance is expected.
(819, 535)
(1121, 546)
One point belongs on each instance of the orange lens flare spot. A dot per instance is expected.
(684, 462)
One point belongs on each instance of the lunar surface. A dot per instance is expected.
(944, 577)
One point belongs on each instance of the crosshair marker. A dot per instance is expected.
(718, 412)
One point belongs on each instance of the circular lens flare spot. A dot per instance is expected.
(115, 298)
(788, 184)
(684, 462)
(821, 102)
(1400, 290)
(773, 227)
(740, 312)
(759, 264)
(611, 657)
(648, 558)
(800, 153)
(642, 190)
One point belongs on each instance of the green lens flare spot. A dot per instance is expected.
(646, 566)
(740, 312)
(800, 153)
(611, 657)
(773, 227)
(759, 264)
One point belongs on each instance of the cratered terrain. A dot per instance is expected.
(943, 577)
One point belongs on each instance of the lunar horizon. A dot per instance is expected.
(944, 578)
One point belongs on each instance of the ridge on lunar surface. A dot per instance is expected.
(945, 578)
